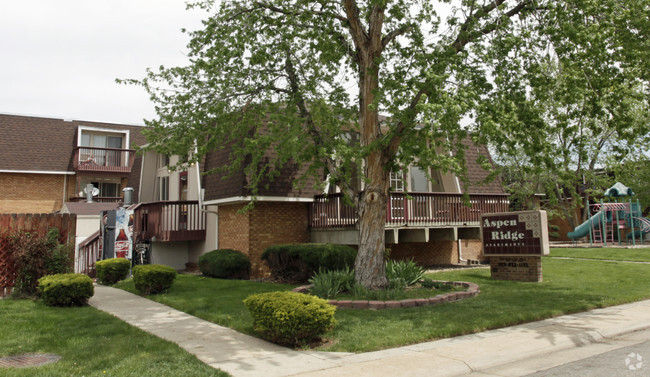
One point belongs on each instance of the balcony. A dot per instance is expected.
(169, 221)
(410, 210)
(103, 160)
(97, 199)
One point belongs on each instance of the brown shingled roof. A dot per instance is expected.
(46, 144)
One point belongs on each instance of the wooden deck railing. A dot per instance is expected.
(97, 199)
(90, 251)
(169, 221)
(413, 209)
(111, 160)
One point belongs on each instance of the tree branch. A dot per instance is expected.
(311, 126)
(464, 38)
(299, 11)
(394, 34)
(359, 35)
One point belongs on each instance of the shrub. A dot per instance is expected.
(65, 289)
(290, 318)
(35, 256)
(153, 278)
(110, 271)
(298, 262)
(328, 284)
(403, 273)
(225, 264)
(428, 283)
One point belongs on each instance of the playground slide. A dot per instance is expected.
(644, 224)
(583, 229)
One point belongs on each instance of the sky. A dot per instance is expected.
(60, 58)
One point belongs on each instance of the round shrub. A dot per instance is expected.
(298, 262)
(225, 264)
(290, 318)
(153, 278)
(110, 271)
(65, 289)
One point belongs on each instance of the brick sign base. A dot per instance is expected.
(524, 268)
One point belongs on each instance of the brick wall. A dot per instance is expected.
(437, 252)
(472, 250)
(234, 228)
(34, 193)
(269, 223)
(425, 253)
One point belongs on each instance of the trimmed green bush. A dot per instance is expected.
(153, 278)
(66, 289)
(225, 264)
(110, 271)
(290, 318)
(298, 262)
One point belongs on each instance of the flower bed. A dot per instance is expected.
(472, 290)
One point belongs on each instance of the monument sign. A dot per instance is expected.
(515, 243)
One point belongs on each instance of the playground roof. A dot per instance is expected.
(618, 190)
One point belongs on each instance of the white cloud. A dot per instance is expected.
(61, 58)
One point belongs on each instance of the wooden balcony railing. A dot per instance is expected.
(413, 209)
(90, 251)
(110, 160)
(169, 221)
(97, 199)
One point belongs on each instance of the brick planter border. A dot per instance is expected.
(472, 291)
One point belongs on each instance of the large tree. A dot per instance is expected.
(411, 77)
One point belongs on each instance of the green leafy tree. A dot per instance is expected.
(589, 123)
(301, 76)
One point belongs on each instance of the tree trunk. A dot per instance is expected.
(369, 267)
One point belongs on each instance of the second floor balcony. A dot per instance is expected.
(169, 221)
(410, 210)
(107, 160)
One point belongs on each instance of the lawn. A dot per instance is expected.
(635, 255)
(91, 343)
(569, 286)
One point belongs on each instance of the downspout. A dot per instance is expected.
(198, 185)
(460, 251)
(65, 188)
(200, 199)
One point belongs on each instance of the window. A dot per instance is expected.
(96, 152)
(419, 181)
(163, 161)
(436, 185)
(397, 181)
(163, 188)
(108, 189)
(183, 186)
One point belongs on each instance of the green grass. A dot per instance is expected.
(91, 343)
(569, 286)
(215, 300)
(634, 255)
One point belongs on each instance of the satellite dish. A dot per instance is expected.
(95, 191)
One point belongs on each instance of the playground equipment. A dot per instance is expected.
(611, 220)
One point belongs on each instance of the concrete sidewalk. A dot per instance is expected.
(242, 355)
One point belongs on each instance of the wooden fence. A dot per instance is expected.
(35, 224)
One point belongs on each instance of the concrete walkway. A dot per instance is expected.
(242, 355)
